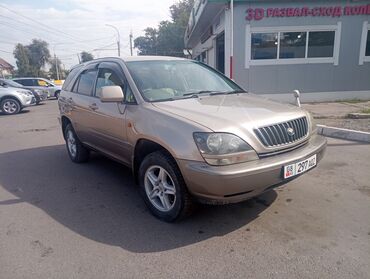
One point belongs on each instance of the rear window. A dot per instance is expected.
(86, 82)
(67, 85)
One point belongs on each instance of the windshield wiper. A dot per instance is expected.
(227, 92)
(200, 92)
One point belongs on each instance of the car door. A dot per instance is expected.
(78, 102)
(107, 120)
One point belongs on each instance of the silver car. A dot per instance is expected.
(40, 84)
(13, 100)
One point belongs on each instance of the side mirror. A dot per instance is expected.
(112, 93)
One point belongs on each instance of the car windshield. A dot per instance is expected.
(171, 80)
(12, 83)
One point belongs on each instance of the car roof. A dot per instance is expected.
(132, 58)
(29, 78)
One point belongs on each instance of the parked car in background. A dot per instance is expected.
(40, 83)
(39, 94)
(13, 100)
(188, 132)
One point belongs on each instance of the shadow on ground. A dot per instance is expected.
(99, 200)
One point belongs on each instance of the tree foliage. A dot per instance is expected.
(54, 63)
(86, 56)
(168, 37)
(32, 58)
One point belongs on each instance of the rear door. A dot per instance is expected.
(107, 121)
(79, 101)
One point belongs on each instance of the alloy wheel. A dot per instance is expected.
(160, 188)
(10, 106)
(71, 143)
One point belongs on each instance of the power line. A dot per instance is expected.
(40, 23)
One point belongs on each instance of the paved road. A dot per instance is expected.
(62, 220)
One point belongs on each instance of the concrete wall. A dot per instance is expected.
(348, 75)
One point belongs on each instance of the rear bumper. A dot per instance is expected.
(235, 183)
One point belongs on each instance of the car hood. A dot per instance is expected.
(239, 114)
(220, 111)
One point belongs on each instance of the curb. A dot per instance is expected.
(345, 134)
(359, 115)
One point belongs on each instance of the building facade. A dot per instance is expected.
(6, 70)
(321, 48)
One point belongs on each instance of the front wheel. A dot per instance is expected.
(163, 188)
(76, 151)
(10, 106)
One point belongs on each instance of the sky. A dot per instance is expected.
(72, 26)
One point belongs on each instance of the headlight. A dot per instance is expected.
(25, 93)
(223, 148)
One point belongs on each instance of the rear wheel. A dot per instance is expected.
(10, 106)
(57, 94)
(163, 188)
(76, 151)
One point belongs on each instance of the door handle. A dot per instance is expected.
(93, 106)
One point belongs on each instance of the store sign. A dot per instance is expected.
(333, 11)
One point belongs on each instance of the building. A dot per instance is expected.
(321, 48)
(6, 69)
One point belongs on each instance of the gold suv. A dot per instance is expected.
(188, 132)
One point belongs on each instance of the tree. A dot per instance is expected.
(86, 56)
(147, 44)
(168, 37)
(30, 59)
(23, 63)
(53, 69)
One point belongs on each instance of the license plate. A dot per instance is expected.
(300, 167)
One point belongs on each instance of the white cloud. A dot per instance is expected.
(83, 20)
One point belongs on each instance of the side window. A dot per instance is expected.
(40, 82)
(106, 77)
(25, 82)
(85, 83)
(129, 96)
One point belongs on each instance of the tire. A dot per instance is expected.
(57, 95)
(10, 106)
(170, 200)
(76, 151)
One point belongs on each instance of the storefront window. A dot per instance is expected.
(321, 44)
(295, 45)
(367, 52)
(264, 46)
(292, 45)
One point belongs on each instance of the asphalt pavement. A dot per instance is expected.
(64, 220)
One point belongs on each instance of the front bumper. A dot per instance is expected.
(27, 100)
(235, 183)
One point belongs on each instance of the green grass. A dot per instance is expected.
(366, 110)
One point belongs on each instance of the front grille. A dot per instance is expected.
(281, 133)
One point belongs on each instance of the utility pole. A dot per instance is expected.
(56, 65)
(131, 42)
(118, 38)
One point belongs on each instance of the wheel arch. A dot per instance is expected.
(11, 97)
(143, 147)
(65, 121)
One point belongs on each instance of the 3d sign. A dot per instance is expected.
(333, 11)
